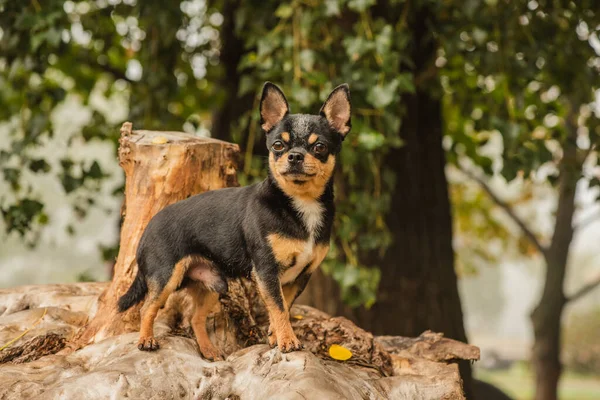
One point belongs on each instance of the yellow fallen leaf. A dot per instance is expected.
(340, 353)
(159, 140)
(298, 316)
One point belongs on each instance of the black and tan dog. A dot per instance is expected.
(276, 231)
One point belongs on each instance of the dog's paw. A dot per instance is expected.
(290, 343)
(271, 338)
(210, 353)
(148, 344)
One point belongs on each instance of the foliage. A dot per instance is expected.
(168, 59)
(85, 276)
(90, 49)
(353, 43)
(165, 56)
(499, 76)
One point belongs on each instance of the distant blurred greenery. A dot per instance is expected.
(517, 382)
(582, 347)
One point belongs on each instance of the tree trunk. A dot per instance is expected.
(159, 57)
(418, 289)
(546, 349)
(231, 52)
(157, 173)
(546, 316)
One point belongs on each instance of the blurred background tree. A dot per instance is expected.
(539, 95)
(422, 73)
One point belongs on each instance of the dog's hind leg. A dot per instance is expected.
(157, 297)
(204, 301)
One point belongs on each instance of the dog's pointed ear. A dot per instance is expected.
(273, 106)
(337, 109)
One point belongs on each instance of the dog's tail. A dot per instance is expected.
(135, 293)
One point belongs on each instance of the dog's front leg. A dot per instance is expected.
(269, 287)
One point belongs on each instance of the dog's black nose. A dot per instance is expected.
(295, 158)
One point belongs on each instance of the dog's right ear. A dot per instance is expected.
(273, 106)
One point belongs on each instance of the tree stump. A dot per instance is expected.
(161, 168)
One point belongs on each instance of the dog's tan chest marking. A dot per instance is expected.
(294, 255)
(286, 250)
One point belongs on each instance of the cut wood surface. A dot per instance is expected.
(161, 168)
(380, 367)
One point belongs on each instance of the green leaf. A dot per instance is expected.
(360, 5)
(332, 8)
(247, 85)
(307, 59)
(356, 47)
(43, 219)
(383, 41)
(371, 140)
(39, 165)
(304, 96)
(405, 83)
(381, 96)
(95, 172)
(12, 176)
(284, 11)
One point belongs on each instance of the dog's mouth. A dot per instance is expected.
(298, 175)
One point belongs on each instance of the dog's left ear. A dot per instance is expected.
(337, 109)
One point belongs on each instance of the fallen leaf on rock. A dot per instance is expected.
(340, 353)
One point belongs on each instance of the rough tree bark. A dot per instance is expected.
(230, 55)
(418, 288)
(546, 316)
(160, 168)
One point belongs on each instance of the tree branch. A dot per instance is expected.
(508, 209)
(585, 289)
(115, 72)
(88, 59)
(425, 75)
(587, 152)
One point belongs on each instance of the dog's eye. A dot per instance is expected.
(320, 148)
(278, 146)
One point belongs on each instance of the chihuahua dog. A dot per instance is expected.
(276, 231)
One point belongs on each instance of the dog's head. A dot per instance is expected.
(303, 147)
